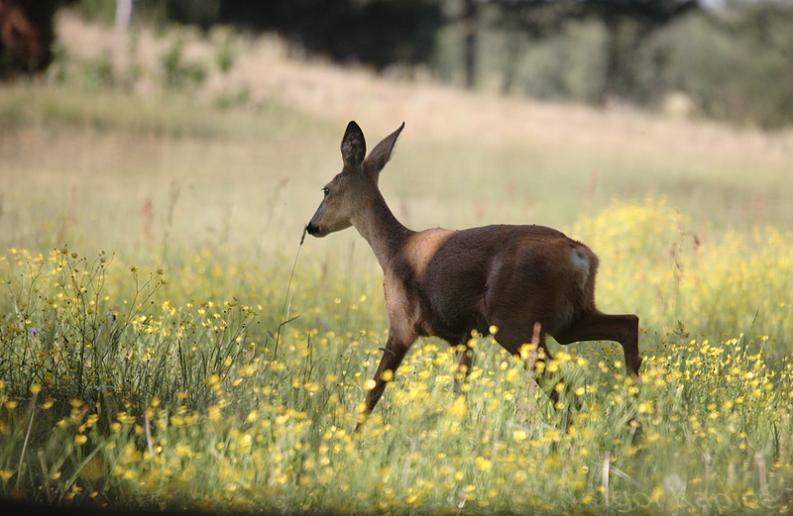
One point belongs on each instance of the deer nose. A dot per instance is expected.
(312, 229)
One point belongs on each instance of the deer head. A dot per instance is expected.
(350, 192)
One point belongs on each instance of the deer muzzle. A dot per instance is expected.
(312, 229)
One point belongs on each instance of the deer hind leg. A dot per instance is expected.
(464, 363)
(512, 338)
(597, 326)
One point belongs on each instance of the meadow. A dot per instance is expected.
(166, 342)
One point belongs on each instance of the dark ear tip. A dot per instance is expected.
(353, 125)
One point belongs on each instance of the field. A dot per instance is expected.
(167, 343)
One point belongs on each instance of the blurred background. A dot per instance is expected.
(724, 59)
(142, 125)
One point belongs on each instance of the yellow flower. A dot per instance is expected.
(459, 408)
(183, 450)
(482, 464)
(213, 413)
(245, 443)
(657, 494)
(80, 439)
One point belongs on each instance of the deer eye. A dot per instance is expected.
(325, 191)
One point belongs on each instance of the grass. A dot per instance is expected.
(152, 357)
(173, 388)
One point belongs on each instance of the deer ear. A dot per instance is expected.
(353, 146)
(380, 155)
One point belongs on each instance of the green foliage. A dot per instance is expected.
(563, 67)
(94, 73)
(177, 73)
(97, 10)
(124, 69)
(732, 65)
(225, 51)
(97, 73)
(58, 71)
(727, 76)
(233, 97)
(104, 11)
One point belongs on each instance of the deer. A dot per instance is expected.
(523, 281)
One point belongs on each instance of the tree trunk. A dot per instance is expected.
(123, 15)
(121, 50)
(612, 66)
(471, 30)
(513, 49)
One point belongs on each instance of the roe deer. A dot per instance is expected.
(446, 283)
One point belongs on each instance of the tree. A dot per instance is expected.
(532, 19)
(375, 32)
(628, 23)
(471, 31)
(734, 63)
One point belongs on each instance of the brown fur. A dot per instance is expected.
(447, 283)
(422, 247)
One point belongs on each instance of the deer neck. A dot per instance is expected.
(378, 225)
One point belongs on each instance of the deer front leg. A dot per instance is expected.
(393, 354)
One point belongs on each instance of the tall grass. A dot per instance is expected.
(132, 386)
